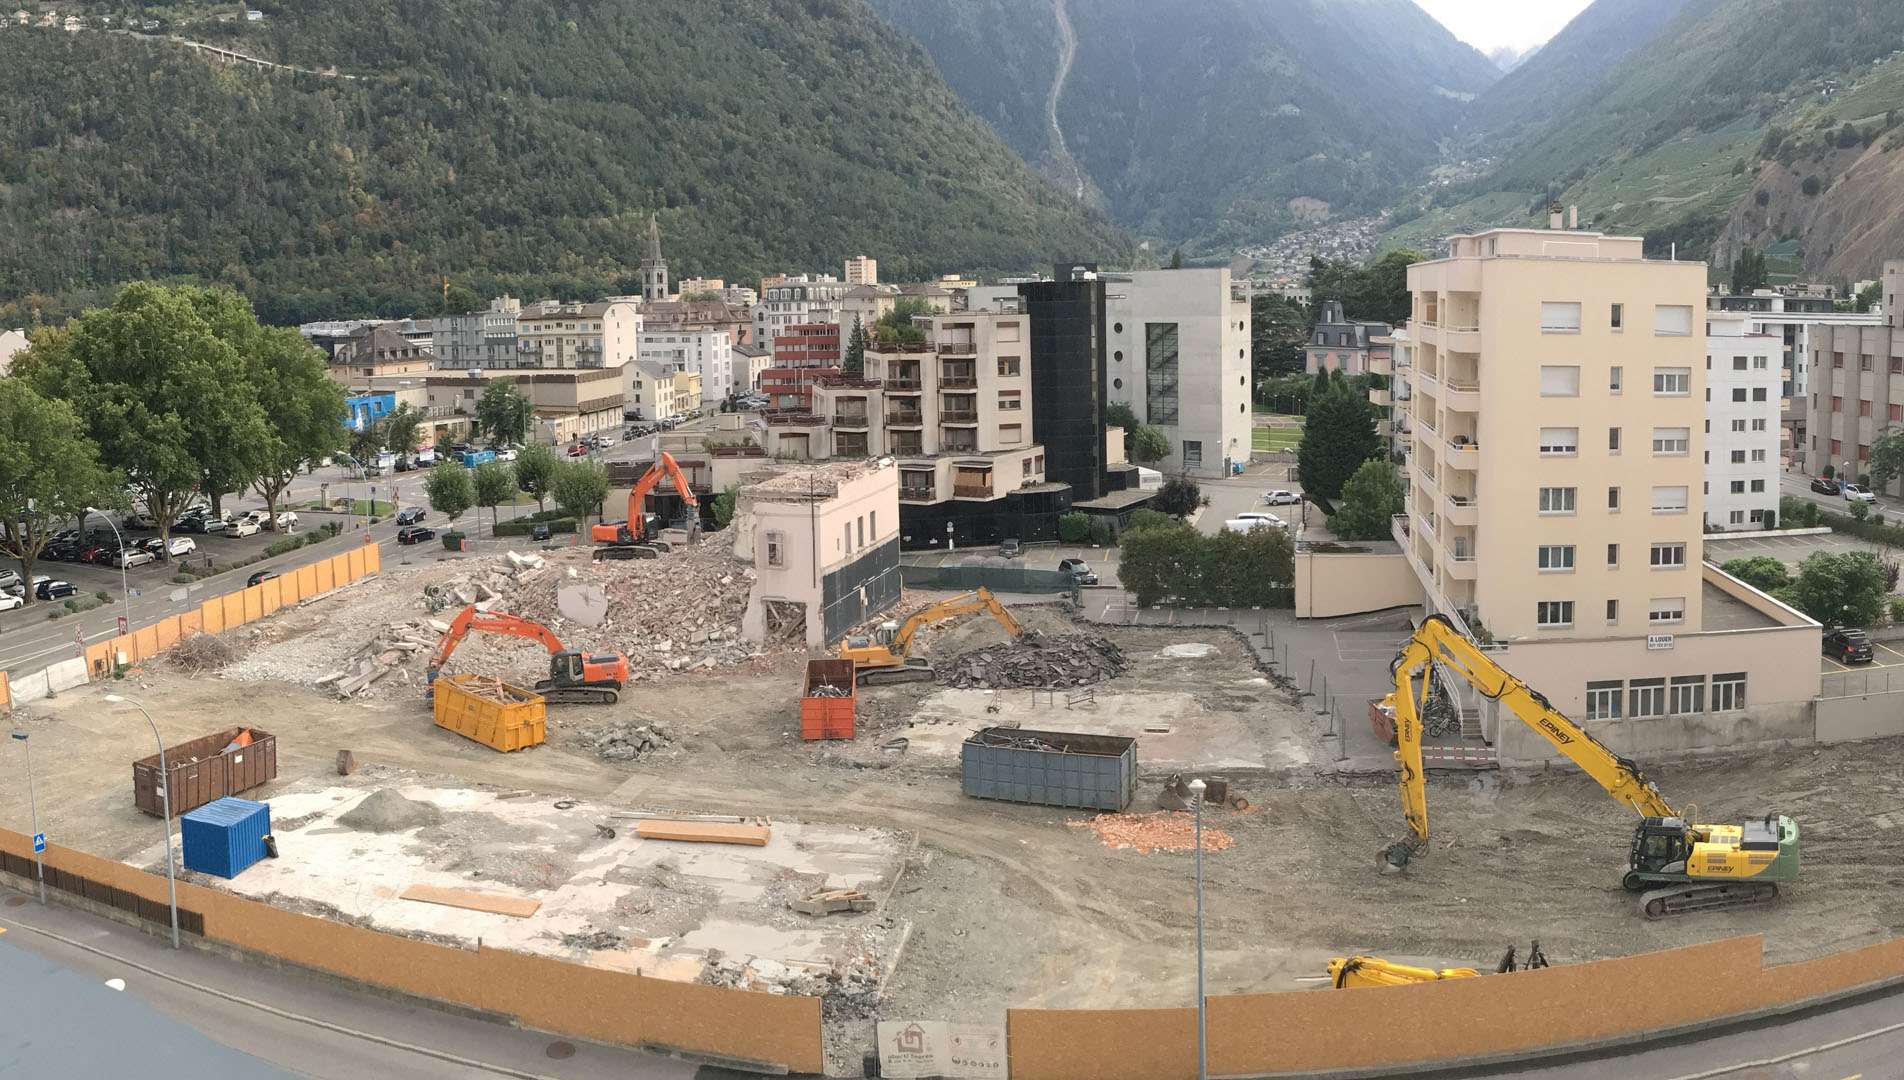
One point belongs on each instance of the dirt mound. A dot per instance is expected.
(384, 810)
(1036, 662)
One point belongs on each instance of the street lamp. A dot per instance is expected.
(165, 802)
(39, 866)
(124, 591)
(1203, 1030)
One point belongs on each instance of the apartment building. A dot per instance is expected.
(1344, 345)
(1793, 316)
(799, 299)
(661, 391)
(708, 353)
(750, 363)
(1743, 428)
(1190, 332)
(479, 339)
(1856, 389)
(716, 288)
(557, 335)
(565, 404)
(690, 315)
(862, 270)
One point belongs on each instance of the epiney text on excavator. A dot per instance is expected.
(574, 678)
(1677, 866)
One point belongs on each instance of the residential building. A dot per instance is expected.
(566, 403)
(801, 345)
(329, 334)
(1344, 345)
(661, 391)
(480, 339)
(824, 543)
(1794, 319)
(1856, 388)
(796, 300)
(654, 268)
(694, 315)
(866, 304)
(376, 351)
(699, 285)
(953, 283)
(862, 270)
(708, 353)
(1392, 398)
(12, 342)
(750, 363)
(559, 335)
(1743, 426)
(1190, 329)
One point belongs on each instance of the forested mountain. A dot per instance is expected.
(1210, 123)
(503, 145)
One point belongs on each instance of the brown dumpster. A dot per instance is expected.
(206, 768)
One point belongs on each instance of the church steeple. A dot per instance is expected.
(654, 268)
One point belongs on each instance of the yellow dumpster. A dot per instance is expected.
(490, 711)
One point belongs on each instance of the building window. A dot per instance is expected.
(1864, 362)
(1738, 363)
(1556, 558)
(1737, 517)
(846, 537)
(1603, 698)
(1613, 440)
(1669, 500)
(872, 523)
(1668, 609)
(1686, 695)
(1008, 366)
(1837, 403)
(1010, 400)
(1559, 441)
(1758, 486)
(1559, 381)
(1759, 363)
(1837, 359)
(1193, 453)
(1737, 425)
(1728, 691)
(1738, 457)
(1669, 556)
(1160, 368)
(1554, 614)
(1615, 377)
(1672, 320)
(1559, 318)
(1836, 448)
(1647, 697)
(776, 549)
(1672, 381)
(1617, 317)
(1613, 500)
(1738, 393)
(1613, 556)
(1556, 500)
(1738, 487)
(1672, 441)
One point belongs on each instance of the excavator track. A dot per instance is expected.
(1701, 896)
(627, 551)
(913, 670)
(578, 695)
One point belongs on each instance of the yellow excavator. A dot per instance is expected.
(1676, 866)
(885, 656)
(1350, 972)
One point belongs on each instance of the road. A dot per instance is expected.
(1798, 485)
(1232, 495)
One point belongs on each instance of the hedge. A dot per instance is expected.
(522, 526)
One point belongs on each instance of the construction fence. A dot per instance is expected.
(996, 578)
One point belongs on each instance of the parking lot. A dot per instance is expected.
(1793, 550)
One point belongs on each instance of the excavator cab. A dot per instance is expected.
(1660, 846)
(883, 634)
(566, 668)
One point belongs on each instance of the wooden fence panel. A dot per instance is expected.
(307, 581)
(252, 600)
(234, 610)
(356, 557)
(288, 593)
(326, 574)
(167, 631)
(190, 623)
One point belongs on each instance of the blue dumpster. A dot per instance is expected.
(225, 836)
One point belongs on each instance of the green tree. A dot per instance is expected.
(1760, 571)
(161, 387)
(724, 505)
(450, 489)
(1152, 562)
(49, 472)
(1146, 518)
(1119, 414)
(1869, 295)
(1287, 394)
(1176, 260)
(503, 413)
(896, 326)
(1839, 589)
(1279, 331)
(1338, 435)
(494, 483)
(402, 430)
(535, 471)
(1887, 458)
(1370, 498)
(1179, 497)
(854, 362)
(1146, 445)
(580, 487)
(1377, 292)
(303, 408)
(458, 300)
(1748, 271)
(1074, 527)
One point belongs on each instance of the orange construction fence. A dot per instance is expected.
(229, 610)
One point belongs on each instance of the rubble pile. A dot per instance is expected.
(625, 741)
(848, 991)
(1036, 662)
(1164, 830)
(388, 649)
(200, 653)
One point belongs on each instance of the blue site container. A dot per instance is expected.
(225, 836)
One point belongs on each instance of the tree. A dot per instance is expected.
(1811, 186)
(1748, 271)
(1338, 435)
(1146, 518)
(303, 407)
(1145, 444)
(1377, 292)
(1370, 499)
(535, 471)
(503, 413)
(1175, 561)
(450, 489)
(580, 487)
(1762, 572)
(1887, 458)
(458, 300)
(402, 429)
(494, 483)
(1151, 562)
(1287, 394)
(1176, 260)
(1869, 295)
(1074, 527)
(724, 505)
(49, 472)
(1119, 414)
(896, 326)
(162, 391)
(1179, 497)
(1279, 332)
(1839, 589)
(854, 363)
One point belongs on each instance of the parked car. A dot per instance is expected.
(1854, 493)
(539, 531)
(215, 525)
(578, 450)
(52, 588)
(1824, 485)
(286, 520)
(415, 534)
(1262, 518)
(9, 601)
(139, 521)
(94, 553)
(9, 578)
(261, 575)
(60, 551)
(242, 527)
(189, 525)
(152, 544)
(1279, 497)
(1848, 645)
(507, 453)
(181, 545)
(606, 441)
(410, 515)
(1079, 570)
(128, 558)
(1011, 549)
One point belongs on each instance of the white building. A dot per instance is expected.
(12, 342)
(806, 298)
(862, 270)
(555, 335)
(1179, 357)
(1743, 377)
(708, 352)
(750, 363)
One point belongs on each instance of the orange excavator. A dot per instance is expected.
(574, 678)
(635, 538)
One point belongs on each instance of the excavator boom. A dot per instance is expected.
(893, 661)
(573, 677)
(633, 531)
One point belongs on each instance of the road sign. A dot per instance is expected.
(39, 842)
(122, 626)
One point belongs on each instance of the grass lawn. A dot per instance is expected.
(1285, 435)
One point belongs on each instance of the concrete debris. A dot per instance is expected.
(200, 653)
(1165, 830)
(624, 741)
(847, 991)
(521, 562)
(386, 810)
(831, 901)
(1036, 662)
(594, 939)
(1188, 650)
(386, 649)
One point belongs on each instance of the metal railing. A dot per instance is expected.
(905, 417)
(905, 384)
(850, 419)
(958, 416)
(957, 348)
(972, 491)
(959, 382)
(916, 494)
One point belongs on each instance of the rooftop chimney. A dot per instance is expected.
(1554, 217)
(1573, 216)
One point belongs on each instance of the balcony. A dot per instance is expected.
(1459, 510)
(962, 417)
(850, 418)
(958, 347)
(912, 491)
(1379, 398)
(966, 381)
(1464, 455)
(905, 384)
(1461, 396)
(968, 444)
(1461, 565)
(904, 418)
(972, 491)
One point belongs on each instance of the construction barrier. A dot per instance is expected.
(774, 1030)
(6, 694)
(227, 612)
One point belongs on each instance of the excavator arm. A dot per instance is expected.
(493, 622)
(1437, 641)
(981, 600)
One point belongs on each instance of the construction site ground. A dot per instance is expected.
(985, 905)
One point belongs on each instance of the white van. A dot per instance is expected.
(1246, 521)
(1149, 479)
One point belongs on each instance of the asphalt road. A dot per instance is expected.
(1798, 485)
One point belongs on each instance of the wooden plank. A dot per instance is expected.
(705, 832)
(494, 903)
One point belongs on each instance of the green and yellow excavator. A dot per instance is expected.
(1675, 865)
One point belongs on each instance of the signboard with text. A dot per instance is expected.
(911, 1049)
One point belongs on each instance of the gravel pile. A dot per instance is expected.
(624, 741)
(1036, 662)
(386, 810)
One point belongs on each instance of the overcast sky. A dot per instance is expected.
(1486, 24)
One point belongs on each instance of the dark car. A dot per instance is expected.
(60, 551)
(1079, 570)
(540, 531)
(415, 534)
(1825, 486)
(410, 515)
(1848, 646)
(54, 590)
(1011, 549)
(262, 575)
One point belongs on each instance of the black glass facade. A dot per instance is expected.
(1067, 379)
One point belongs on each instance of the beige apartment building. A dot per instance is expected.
(660, 391)
(862, 270)
(604, 334)
(566, 404)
